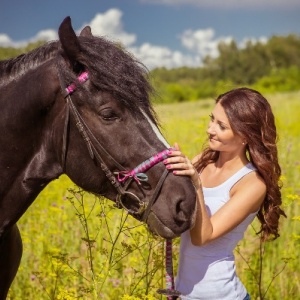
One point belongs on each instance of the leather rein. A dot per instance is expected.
(122, 179)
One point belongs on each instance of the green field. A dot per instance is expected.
(77, 246)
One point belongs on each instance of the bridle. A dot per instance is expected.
(121, 179)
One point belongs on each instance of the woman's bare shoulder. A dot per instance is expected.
(250, 180)
(252, 187)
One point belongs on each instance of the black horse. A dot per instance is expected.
(80, 106)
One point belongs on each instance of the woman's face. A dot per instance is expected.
(220, 134)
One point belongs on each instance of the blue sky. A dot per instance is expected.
(170, 33)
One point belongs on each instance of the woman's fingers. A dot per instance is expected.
(173, 153)
(178, 162)
(175, 159)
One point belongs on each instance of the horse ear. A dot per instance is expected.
(86, 32)
(69, 40)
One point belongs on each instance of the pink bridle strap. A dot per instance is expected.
(138, 172)
(170, 291)
(83, 77)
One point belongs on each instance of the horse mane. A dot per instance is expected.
(13, 68)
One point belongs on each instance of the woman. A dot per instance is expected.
(236, 179)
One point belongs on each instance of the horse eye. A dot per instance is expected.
(108, 114)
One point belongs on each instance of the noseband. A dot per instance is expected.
(121, 179)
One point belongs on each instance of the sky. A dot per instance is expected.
(160, 33)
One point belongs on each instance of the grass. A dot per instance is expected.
(78, 246)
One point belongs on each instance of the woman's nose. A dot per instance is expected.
(210, 129)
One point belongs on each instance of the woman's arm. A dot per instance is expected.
(246, 197)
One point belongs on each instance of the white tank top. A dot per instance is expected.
(208, 272)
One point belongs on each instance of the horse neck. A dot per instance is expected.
(26, 105)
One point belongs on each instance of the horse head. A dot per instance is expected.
(111, 144)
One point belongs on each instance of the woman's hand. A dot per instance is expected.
(179, 164)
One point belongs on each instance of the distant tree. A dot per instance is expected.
(284, 51)
(255, 60)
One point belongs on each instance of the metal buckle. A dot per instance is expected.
(142, 204)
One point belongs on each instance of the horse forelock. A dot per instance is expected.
(114, 70)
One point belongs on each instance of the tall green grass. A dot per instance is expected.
(78, 246)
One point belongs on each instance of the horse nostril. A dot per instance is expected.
(180, 215)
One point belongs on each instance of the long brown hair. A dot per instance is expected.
(250, 116)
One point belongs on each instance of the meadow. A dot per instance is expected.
(78, 246)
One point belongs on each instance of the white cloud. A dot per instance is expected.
(5, 40)
(230, 4)
(45, 35)
(109, 24)
(157, 56)
(202, 41)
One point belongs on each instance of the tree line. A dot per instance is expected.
(269, 67)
